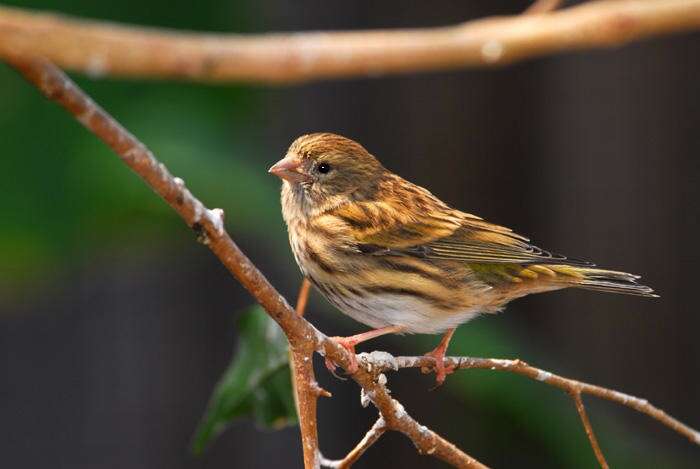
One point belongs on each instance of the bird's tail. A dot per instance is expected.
(604, 280)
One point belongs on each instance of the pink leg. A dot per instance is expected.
(438, 354)
(350, 342)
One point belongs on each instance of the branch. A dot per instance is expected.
(573, 387)
(396, 418)
(99, 48)
(303, 337)
(370, 438)
(578, 402)
(306, 389)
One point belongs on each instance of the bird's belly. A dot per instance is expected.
(397, 305)
(409, 312)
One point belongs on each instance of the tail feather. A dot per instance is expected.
(613, 282)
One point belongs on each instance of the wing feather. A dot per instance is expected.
(435, 231)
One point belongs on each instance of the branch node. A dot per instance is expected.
(539, 7)
(319, 391)
(216, 217)
(201, 233)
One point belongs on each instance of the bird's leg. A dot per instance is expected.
(438, 354)
(350, 342)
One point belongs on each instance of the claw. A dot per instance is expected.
(331, 368)
(348, 343)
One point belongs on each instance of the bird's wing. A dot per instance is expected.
(387, 228)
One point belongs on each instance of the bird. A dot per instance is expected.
(393, 256)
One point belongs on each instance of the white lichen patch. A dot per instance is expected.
(96, 66)
(198, 210)
(492, 51)
(399, 410)
(378, 359)
(502, 363)
(216, 217)
(365, 400)
(543, 375)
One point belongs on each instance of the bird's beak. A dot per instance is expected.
(288, 168)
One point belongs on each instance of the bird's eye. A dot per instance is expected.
(323, 168)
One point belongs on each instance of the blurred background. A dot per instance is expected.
(115, 325)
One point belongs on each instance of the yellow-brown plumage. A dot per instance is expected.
(389, 253)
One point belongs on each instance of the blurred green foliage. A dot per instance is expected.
(257, 383)
(63, 189)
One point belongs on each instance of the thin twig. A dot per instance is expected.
(105, 49)
(303, 337)
(370, 438)
(566, 384)
(578, 402)
(398, 419)
(543, 6)
(303, 297)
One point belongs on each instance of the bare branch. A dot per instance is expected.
(370, 438)
(303, 337)
(566, 384)
(578, 402)
(306, 390)
(396, 418)
(543, 6)
(99, 48)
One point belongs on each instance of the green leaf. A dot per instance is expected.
(257, 383)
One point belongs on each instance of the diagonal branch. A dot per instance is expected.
(370, 438)
(303, 337)
(99, 48)
(397, 419)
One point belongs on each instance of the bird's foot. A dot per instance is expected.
(438, 358)
(441, 371)
(348, 343)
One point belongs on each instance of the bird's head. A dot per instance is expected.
(326, 169)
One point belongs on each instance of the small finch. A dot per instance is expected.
(391, 255)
